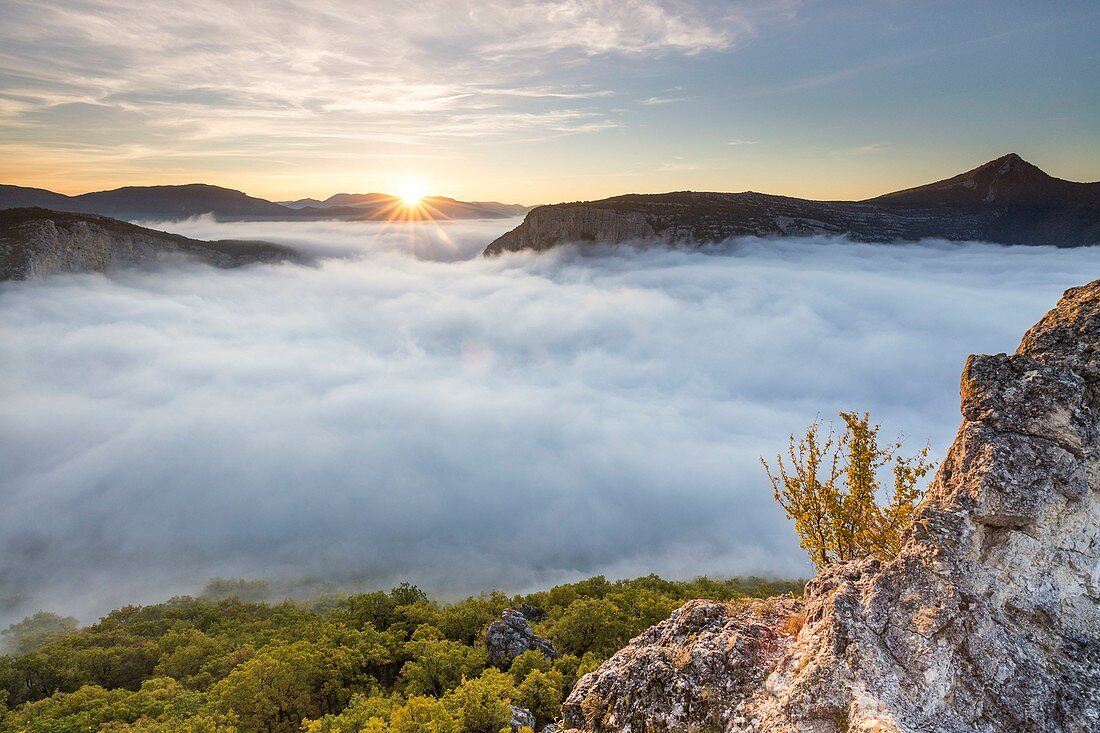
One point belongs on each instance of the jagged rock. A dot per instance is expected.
(521, 718)
(511, 635)
(691, 672)
(989, 619)
(37, 242)
(1006, 200)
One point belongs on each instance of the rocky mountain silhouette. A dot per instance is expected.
(137, 203)
(1007, 200)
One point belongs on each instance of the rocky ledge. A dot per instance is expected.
(1007, 200)
(37, 242)
(989, 620)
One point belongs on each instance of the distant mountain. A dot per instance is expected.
(149, 202)
(1007, 181)
(1007, 200)
(35, 242)
(226, 204)
(382, 206)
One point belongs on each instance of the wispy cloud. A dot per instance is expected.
(868, 149)
(198, 77)
(679, 164)
(743, 142)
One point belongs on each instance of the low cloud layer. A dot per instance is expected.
(463, 425)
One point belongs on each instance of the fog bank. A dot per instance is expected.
(468, 424)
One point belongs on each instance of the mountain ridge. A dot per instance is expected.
(1006, 200)
(182, 201)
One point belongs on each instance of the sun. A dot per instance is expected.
(411, 193)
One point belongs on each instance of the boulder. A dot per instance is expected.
(511, 635)
(521, 718)
(691, 672)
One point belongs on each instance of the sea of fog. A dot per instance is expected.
(405, 410)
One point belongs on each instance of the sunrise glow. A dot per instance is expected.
(411, 193)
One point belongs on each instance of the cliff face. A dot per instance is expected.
(1006, 200)
(989, 620)
(37, 242)
(549, 225)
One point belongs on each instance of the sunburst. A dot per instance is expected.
(411, 193)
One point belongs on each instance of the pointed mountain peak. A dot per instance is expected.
(1009, 165)
(1006, 180)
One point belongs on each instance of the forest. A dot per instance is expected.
(377, 662)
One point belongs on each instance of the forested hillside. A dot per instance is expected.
(377, 662)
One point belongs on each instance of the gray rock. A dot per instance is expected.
(989, 619)
(521, 718)
(511, 635)
(691, 672)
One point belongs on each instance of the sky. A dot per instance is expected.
(539, 102)
(405, 409)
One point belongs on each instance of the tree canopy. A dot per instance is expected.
(377, 662)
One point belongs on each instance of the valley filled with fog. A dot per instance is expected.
(403, 409)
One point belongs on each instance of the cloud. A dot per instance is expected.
(509, 422)
(744, 142)
(868, 149)
(679, 164)
(294, 80)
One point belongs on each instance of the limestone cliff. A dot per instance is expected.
(989, 620)
(38, 242)
(1006, 200)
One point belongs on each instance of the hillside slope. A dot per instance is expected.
(36, 242)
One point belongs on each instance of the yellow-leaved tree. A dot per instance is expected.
(830, 486)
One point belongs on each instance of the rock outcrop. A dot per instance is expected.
(989, 619)
(37, 242)
(521, 718)
(1007, 200)
(692, 672)
(511, 635)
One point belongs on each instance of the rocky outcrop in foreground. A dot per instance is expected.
(989, 620)
(511, 635)
(37, 242)
(1007, 200)
(691, 672)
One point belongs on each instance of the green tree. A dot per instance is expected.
(438, 665)
(525, 663)
(589, 625)
(422, 714)
(482, 705)
(830, 487)
(541, 693)
(35, 632)
(364, 714)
